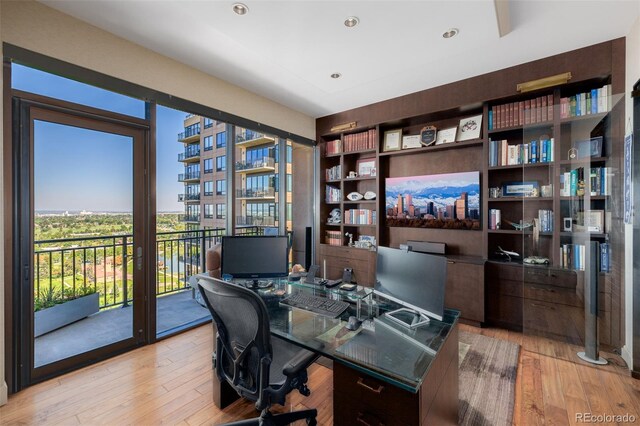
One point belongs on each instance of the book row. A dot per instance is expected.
(573, 183)
(361, 141)
(572, 256)
(333, 238)
(545, 219)
(332, 195)
(360, 217)
(536, 151)
(494, 218)
(594, 101)
(530, 111)
(334, 173)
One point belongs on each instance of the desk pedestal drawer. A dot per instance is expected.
(360, 395)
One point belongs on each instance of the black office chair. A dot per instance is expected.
(258, 367)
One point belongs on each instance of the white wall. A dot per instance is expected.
(36, 27)
(632, 74)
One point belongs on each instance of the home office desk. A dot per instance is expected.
(382, 373)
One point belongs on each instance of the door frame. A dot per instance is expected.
(27, 107)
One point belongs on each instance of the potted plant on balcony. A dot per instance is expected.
(55, 309)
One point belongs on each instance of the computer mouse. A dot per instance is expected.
(353, 323)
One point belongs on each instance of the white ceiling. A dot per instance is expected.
(286, 50)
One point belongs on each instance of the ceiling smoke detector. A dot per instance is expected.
(240, 8)
(351, 22)
(451, 32)
(336, 75)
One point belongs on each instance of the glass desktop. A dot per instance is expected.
(379, 347)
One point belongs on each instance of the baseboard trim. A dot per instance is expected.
(4, 393)
(626, 355)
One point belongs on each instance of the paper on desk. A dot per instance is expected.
(338, 335)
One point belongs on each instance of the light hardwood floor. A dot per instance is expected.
(170, 383)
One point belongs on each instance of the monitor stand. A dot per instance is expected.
(409, 318)
(257, 284)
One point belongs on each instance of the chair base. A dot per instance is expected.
(268, 419)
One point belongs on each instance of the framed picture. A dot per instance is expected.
(470, 128)
(428, 135)
(392, 140)
(366, 167)
(520, 189)
(447, 135)
(590, 147)
(411, 141)
(594, 220)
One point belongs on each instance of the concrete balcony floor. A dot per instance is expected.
(113, 325)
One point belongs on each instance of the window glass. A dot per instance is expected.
(46, 84)
(208, 122)
(221, 163)
(221, 187)
(221, 139)
(208, 211)
(221, 211)
(208, 187)
(208, 143)
(208, 165)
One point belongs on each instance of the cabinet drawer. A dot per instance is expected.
(372, 401)
(553, 277)
(505, 311)
(497, 287)
(553, 294)
(349, 252)
(505, 271)
(559, 322)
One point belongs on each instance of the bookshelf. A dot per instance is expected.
(444, 107)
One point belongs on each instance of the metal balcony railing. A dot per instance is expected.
(269, 162)
(104, 264)
(188, 197)
(255, 220)
(188, 176)
(189, 153)
(190, 131)
(268, 192)
(190, 218)
(248, 135)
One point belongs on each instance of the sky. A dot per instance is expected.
(79, 169)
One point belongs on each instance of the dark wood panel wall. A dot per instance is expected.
(598, 62)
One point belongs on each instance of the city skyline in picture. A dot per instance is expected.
(450, 200)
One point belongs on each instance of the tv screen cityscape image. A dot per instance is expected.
(450, 201)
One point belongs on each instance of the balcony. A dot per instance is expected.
(268, 193)
(189, 177)
(190, 218)
(249, 138)
(190, 155)
(255, 221)
(264, 164)
(188, 198)
(190, 134)
(105, 264)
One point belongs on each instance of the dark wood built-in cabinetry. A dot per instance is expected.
(511, 295)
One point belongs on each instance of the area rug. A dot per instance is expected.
(487, 380)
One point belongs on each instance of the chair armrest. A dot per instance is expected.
(299, 362)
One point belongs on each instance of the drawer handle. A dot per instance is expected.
(361, 420)
(543, 306)
(543, 289)
(366, 386)
(451, 261)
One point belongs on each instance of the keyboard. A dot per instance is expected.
(319, 305)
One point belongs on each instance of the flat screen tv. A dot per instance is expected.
(450, 201)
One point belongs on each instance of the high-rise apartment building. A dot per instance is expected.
(256, 174)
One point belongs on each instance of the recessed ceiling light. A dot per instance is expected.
(451, 32)
(240, 9)
(336, 75)
(351, 21)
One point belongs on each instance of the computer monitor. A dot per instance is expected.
(416, 280)
(255, 257)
